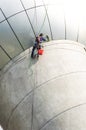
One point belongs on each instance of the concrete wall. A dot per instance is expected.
(45, 94)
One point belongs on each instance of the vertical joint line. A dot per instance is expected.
(48, 22)
(5, 52)
(32, 111)
(12, 30)
(65, 26)
(77, 34)
(28, 17)
(35, 11)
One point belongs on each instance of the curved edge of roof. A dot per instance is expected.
(25, 53)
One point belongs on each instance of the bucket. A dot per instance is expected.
(40, 51)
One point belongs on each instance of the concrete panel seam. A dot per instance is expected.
(14, 62)
(32, 91)
(56, 116)
(36, 87)
(16, 108)
(59, 76)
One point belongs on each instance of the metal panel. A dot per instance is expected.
(56, 17)
(1, 16)
(38, 2)
(82, 34)
(23, 29)
(8, 40)
(28, 3)
(71, 23)
(39, 20)
(53, 2)
(82, 30)
(10, 6)
(3, 58)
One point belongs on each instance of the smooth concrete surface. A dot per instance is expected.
(48, 93)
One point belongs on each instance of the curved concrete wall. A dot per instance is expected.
(45, 94)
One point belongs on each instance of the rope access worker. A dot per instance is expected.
(37, 45)
(35, 48)
(42, 38)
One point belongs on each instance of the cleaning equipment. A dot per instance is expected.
(40, 51)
